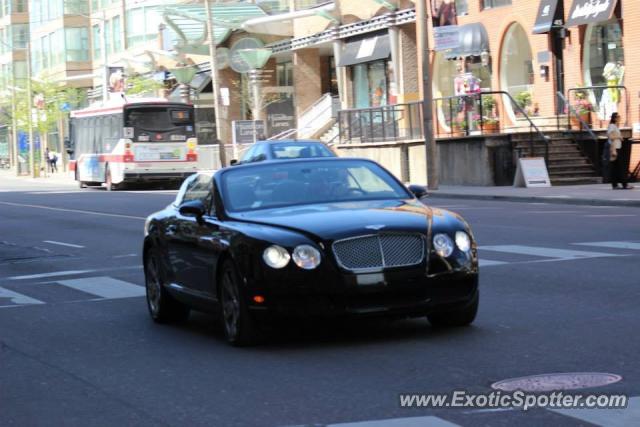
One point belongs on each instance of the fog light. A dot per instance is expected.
(443, 245)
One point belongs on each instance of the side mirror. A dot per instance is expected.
(193, 208)
(259, 158)
(233, 162)
(419, 191)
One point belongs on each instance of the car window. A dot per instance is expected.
(261, 153)
(183, 189)
(199, 189)
(300, 151)
(248, 154)
(298, 183)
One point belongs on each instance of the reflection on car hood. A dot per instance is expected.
(337, 220)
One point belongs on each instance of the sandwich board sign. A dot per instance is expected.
(532, 172)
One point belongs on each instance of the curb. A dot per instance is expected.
(540, 199)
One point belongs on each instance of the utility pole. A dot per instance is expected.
(105, 65)
(427, 94)
(32, 148)
(215, 83)
(14, 125)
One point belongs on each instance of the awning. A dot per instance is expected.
(473, 41)
(587, 11)
(282, 23)
(189, 23)
(546, 16)
(365, 50)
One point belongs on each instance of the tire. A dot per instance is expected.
(109, 183)
(163, 308)
(239, 327)
(463, 316)
(81, 184)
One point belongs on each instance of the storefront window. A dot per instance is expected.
(370, 87)
(445, 73)
(516, 69)
(489, 4)
(604, 65)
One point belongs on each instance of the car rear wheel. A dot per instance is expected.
(163, 308)
(463, 316)
(239, 327)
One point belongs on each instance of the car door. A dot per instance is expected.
(182, 233)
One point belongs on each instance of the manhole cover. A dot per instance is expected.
(553, 382)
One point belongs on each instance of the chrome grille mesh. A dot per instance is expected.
(379, 251)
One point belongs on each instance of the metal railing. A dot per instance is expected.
(472, 113)
(389, 123)
(595, 155)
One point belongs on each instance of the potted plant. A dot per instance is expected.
(490, 121)
(458, 127)
(523, 99)
(583, 108)
(491, 125)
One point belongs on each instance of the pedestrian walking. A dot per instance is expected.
(53, 159)
(616, 165)
(47, 158)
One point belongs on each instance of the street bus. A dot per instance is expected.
(146, 140)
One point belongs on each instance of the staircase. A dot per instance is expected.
(567, 165)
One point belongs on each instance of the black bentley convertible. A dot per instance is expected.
(316, 237)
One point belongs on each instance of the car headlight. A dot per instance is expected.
(463, 241)
(276, 256)
(306, 257)
(443, 245)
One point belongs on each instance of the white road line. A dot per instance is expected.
(17, 299)
(489, 263)
(70, 245)
(105, 287)
(51, 274)
(428, 421)
(610, 216)
(545, 252)
(552, 212)
(126, 256)
(615, 245)
(73, 211)
(629, 416)
(54, 192)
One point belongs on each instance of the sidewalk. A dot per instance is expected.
(595, 195)
(59, 179)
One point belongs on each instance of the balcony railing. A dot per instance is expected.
(391, 123)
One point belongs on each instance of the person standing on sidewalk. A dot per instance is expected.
(616, 165)
(53, 159)
(47, 158)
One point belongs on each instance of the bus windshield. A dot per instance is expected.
(160, 122)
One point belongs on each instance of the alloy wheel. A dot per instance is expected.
(230, 305)
(153, 286)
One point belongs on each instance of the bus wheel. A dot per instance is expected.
(81, 184)
(109, 184)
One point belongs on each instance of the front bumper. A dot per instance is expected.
(405, 293)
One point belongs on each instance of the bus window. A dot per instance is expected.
(160, 123)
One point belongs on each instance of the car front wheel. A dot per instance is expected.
(463, 316)
(239, 327)
(163, 308)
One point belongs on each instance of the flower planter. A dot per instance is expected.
(491, 127)
(576, 124)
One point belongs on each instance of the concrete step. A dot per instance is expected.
(571, 173)
(575, 160)
(573, 167)
(576, 181)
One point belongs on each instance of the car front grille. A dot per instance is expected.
(379, 251)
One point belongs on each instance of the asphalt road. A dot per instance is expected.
(77, 346)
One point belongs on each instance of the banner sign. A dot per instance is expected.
(446, 38)
(590, 11)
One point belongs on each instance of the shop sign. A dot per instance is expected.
(446, 38)
(590, 11)
(280, 116)
(532, 172)
(247, 131)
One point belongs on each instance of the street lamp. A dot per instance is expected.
(256, 59)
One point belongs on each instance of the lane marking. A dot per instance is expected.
(70, 273)
(545, 252)
(552, 212)
(51, 274)
(17, 299)
(105, 287)
(53, 192)
(615, 245)
(70, 245)
(629, 416)
(489, 263)
(430, 421)
(609, 216)
(73, 211)
(125, 256)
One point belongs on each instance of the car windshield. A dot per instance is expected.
(307, 182)
(300, 150)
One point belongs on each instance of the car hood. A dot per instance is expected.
(338, 220)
